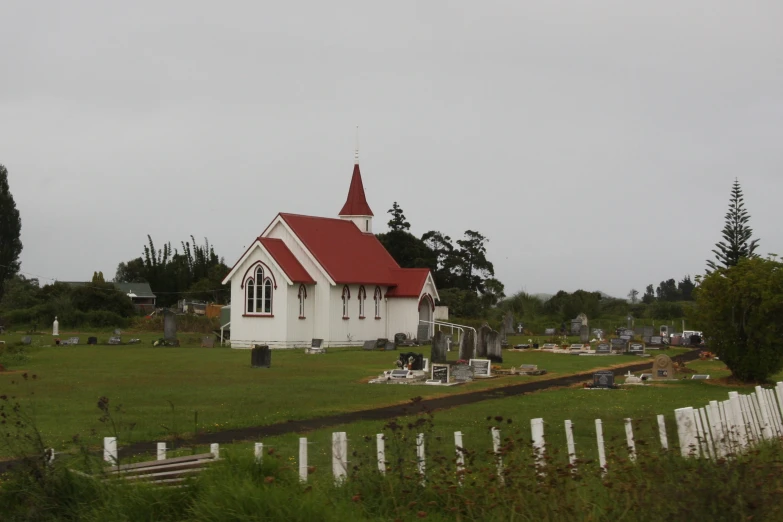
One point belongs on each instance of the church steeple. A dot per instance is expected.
(356, 208)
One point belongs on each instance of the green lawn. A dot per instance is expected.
(160, 389)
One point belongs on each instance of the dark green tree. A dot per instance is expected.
(445, 259)
(739, 309)
(397, 222)
(471, 265)
(130, 272)
(10, 232)
(686, 287)
(736, 233)
(667, 291)
(649, 295)
(633, 296)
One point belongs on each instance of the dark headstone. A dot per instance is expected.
(169, 326)
(648, 331)
(481, 346)
(576, 326)
(636, 348)
(466, 345)
(462, 372)
(380, 344)
(261, 356)
(316, 343)
(508, 324)
(400, 338)
(208, 341)
(27, 339)
(440, 372)
(603, 379)
(603, 348)
(618, 345)
(369, 345)
(423, 333)
(656, 340)
(390, 346)
(438, 348)
(494, 347)
(584, 333)
(415, 360)
(92, 340)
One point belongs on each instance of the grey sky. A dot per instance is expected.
(593, 142)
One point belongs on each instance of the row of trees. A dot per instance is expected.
(196, 272)
(463, 274)
(669, 291)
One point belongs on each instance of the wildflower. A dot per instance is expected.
(421, 514)
(269, 480)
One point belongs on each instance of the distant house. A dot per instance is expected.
(140, 295)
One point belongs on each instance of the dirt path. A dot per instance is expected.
(258, 433)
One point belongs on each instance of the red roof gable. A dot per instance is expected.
(410, 281)
(356, 204)
(287, 261)
(347, 254)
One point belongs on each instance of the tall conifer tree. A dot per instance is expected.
(736, 242)
(10, 232)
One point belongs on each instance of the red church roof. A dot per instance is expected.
(356, 204)
(409, 282)
(347, 254)
(287, 261)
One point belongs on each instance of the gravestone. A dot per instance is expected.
(481, 367)
(584, 333)
(576, 326)
(400, 338)
(576, 347)
(73, 341)
(618, 345)
(440, 372)
(423, 333)
(380, 344)
(169, 326)
(700, 376)
(494, 347)
(549, 331)
(462, 372)
(92, 340)
(115, 340)
(261, 356)
(390, 346)
(636, 348)
(603, 379)
(646, 339)
(399, 374)
(208, 341)
(117, 331)
(663, 368)
(316, 343)
(439, 348)
(55, 326)
(369, 345)
(628, 332)
(481, 346)
(603, 348)
(508, 323)
(467, 345)
(656, 340)
(412, 361)
(27, 340)
(648, 331)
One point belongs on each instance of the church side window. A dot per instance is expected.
(362, 299)
(346, 297)
(302, 297)
(377, 299)
(259, 290)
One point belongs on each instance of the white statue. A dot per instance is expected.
(55, 327)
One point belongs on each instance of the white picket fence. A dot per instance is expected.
(729, 427)
(718, 430)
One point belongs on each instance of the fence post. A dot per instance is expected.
(599, 435)
(339, 455)
(496, 452)
(726, 418)
(704, 432)
(303, 459)
(110, 450)
(751, 417)
(629, 440)
(662, 432)
(161, 451)
(570, 442)
(686, 432)
(258, 452)
(717, 432)
(740, 428)
(537, 431)
(459, 448)
(773, 407)
(421, 456)
(214, 449)
(766, 421)
(381, 445)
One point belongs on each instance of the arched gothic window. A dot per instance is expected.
(302, 297)
(346, 297)
(377, 299)
(362, 299)
(259, 290)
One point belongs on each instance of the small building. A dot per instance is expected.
(140, 295)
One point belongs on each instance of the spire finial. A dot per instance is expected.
(356, 152)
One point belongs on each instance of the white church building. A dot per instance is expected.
(309, 277)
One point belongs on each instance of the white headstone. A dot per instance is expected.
(55, 326)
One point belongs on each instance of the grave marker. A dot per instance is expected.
(656, 340)
(92, 340)
(494, 347)
(603, 379)
(412, 361)
(549, 331)
(481, 345)
(423, 333)
(636, 348)
(115, 340)
(369, 345)
(261, 356)
(467, 345)
(584, 333)
(169, 326)
(462, 372)
(603, 348)
(438, 348)
(208, 341)
(663, 368)
(481, 367)
(440, 372)
(618, 345)
(700, 376)
(27, 340)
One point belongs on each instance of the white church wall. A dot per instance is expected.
(249, 330)
(300, 330)
(403, 316)
(354, 331)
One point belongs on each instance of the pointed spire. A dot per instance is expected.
(356, 203)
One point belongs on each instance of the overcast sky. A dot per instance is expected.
(593, 142)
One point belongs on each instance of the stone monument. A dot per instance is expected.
(169, 326)
(467, 345)
(55, 326)
(439, 348)
(508, 324)
(494, 348)
(584, 334)
(261, 356)
(481, 346)
(663, 368)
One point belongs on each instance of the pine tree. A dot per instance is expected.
(397, 222)
(736, 234)
(10, 232)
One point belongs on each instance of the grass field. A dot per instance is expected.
(176, 391)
